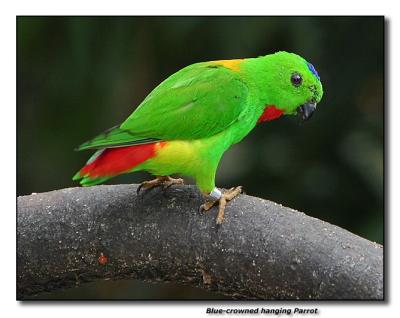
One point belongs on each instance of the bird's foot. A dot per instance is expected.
(164, 181)
(222, 201)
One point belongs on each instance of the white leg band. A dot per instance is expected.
(216, 194)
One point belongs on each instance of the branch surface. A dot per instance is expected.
(262, 250)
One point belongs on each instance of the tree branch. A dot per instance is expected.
(262, 251)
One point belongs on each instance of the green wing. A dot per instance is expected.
(199, 101)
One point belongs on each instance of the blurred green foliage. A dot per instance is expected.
(78, 76)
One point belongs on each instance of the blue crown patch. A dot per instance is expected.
(313, 70)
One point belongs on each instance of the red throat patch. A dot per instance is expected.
(270, 113)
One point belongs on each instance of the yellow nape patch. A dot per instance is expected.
(233, 65)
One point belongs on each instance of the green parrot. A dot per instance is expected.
(188, 121)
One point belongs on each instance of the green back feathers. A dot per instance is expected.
(199, 101)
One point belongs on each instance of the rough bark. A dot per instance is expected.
(262, 251)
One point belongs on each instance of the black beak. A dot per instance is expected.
(306, 110)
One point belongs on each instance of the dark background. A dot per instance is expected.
(77, 76)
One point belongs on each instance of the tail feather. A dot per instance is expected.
(110, 162)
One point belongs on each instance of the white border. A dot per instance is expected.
(11, 308)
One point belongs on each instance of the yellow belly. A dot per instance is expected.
(195, 158)
(176, 156)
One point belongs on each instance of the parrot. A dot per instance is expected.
(193, 117)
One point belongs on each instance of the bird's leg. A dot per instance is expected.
(221, 199)
(165, 181)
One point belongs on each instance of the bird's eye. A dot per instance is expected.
(296, 79)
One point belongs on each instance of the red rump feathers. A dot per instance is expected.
(270, 113)
(113, 161)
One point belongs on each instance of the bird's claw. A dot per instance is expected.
(139, 187)
(145, 185)
(164, 181)
(222, 201)
(171, 181)
(207, 205)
